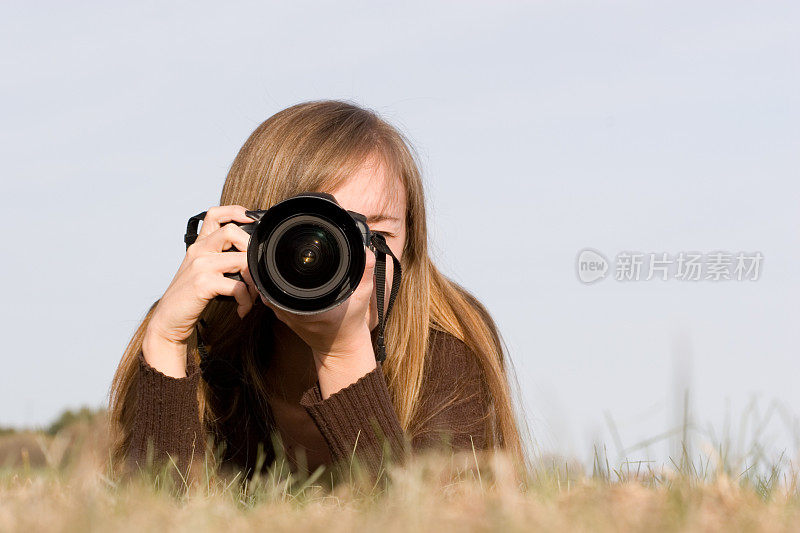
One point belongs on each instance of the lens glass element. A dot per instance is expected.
(307, 256)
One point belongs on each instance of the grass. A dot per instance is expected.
(59, 481)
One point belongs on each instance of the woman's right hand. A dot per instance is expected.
(199, 279)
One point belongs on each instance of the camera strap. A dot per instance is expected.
(381, 249)
(191, 229)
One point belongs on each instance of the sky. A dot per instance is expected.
(542, 128)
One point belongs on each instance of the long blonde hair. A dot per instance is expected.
(314, 146)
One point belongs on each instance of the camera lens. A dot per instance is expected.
(307, 256)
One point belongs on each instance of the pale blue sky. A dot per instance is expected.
(543, 128)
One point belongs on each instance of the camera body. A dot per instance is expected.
(305, 254)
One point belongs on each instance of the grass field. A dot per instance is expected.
(57, 480)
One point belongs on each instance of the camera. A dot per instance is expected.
(306, 254)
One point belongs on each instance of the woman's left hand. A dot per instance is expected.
(340, 337)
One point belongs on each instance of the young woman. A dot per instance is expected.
(312, 380)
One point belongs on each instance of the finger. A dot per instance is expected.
(225, 237)
(230, 287)
(221, 262)
(368, 277)
(373, 310)
(267, 302)
(280, 314)
(218, 215)
(371, 258)
(271, 305)
(251, 285)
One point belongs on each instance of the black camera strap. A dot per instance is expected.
(191, 229)
(381, 249)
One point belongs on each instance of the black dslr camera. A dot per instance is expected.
(306, 254)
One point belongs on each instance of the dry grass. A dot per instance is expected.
(61, 483)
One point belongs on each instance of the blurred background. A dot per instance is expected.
(543, 128)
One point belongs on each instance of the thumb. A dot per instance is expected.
(367, 279)
(371, 257)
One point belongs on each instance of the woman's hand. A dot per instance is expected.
(340, 337)
(198, 280)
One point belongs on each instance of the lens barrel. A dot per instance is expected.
(306, 254)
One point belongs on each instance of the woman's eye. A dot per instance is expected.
(385, 234)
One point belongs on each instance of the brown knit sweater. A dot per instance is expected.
(360, 420)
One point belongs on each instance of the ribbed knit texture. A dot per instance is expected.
(358, 421)
(166, 417)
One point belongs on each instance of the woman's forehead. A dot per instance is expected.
(373, 192)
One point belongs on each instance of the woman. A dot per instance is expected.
(313, 381)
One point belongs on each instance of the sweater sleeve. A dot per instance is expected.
(166, 419)
(358, 420)
(361, 420)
